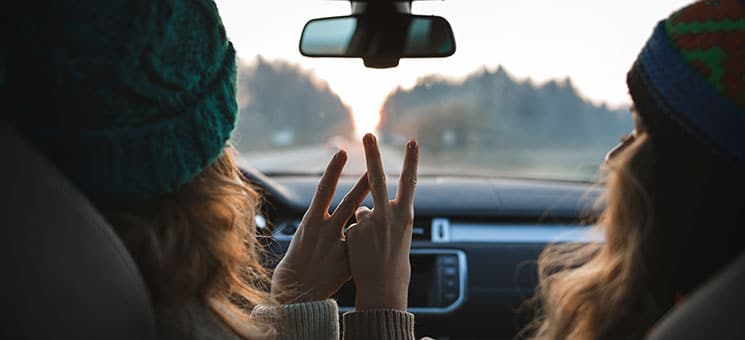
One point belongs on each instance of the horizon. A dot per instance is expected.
(452, 80)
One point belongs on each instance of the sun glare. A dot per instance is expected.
(365, 121)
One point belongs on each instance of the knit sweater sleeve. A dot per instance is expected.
(320, 320)
(310, 320)
(385, 324)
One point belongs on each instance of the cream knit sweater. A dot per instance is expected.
(320, 320)
(306, 321)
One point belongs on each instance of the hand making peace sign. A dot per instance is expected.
(376, 251)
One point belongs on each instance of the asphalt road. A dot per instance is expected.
(314, 158)
(572, 164)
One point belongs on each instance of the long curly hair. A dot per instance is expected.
(668, 226)
(199, 244)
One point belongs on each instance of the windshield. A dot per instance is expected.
(536, 89)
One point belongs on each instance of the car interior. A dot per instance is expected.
(477, 231)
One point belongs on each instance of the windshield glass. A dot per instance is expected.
(536, 89)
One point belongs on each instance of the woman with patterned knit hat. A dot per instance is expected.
(143, 104)
(674, 196)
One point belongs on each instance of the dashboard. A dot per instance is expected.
(474, 249)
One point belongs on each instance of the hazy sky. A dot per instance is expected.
(592, 41)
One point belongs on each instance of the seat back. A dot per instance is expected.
(66, 274)
(715, 311)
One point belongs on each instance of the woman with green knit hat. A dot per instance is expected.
(674, 194)
(144, 104)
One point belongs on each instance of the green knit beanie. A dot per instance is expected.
(144, 95)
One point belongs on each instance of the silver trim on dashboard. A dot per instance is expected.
(444, 231)
(462, 277)
(522, 233)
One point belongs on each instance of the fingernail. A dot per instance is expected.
(369, 139)
(413, 145)
(340, 154)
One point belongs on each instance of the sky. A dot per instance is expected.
(594, 42)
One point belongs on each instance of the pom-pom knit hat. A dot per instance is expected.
(144, 95)
(690, 76)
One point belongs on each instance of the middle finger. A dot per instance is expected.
(375, 172)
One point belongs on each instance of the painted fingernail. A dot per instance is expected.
(413, 145)
(369, 139)
(340, 154)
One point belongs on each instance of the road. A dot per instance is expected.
(572, 164)
(314, 158)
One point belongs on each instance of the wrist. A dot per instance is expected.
(291, 296)
(368, 300)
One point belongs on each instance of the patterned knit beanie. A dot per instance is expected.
(690, 77)
(144, 95)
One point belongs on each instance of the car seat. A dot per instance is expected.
(714, 311)
(65, 273)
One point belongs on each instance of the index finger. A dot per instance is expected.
(407, 183)
(375, 172)
(321, 202)
(345, 210)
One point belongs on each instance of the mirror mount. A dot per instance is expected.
(381, 8)
(365, 7)
(380, 62)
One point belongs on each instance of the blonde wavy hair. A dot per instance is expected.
(199, 243)
(667, 208)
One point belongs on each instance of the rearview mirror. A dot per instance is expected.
(378, 36)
